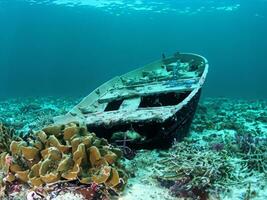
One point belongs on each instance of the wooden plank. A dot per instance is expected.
(130, 104)
(97, 107)
(150, 89)
(158, 114)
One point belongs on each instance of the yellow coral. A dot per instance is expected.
(14, 168)
(101, 162)
(44, 153)
(65, 164)
(29, 153)
(22, 175)
(63, 152)
(48, 171)
(75, 143)
(114, 179)
(87, 140)
(73, 173)
(15, 147)
(55, 130)
(53, 141)
(10, 177)
(34, 175)
(41, 135)
(80, 153)
(54, 154)
(94, 155)
(111, 157)
(39, 145)
(70, 131)
(103, 175)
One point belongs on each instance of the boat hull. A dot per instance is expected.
(158, 135)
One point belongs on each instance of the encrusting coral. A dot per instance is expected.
(63, 153)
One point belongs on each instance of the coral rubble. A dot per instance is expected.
(191, 171)
(25, 114)
(6, 137)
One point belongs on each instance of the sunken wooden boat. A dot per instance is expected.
(145, 108)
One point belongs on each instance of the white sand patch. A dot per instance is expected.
(69, 196)
(258, 189)
(144, 186)
(146, 191)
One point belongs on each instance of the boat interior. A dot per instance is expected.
(163, 83)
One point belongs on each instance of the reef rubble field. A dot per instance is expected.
(224, 156)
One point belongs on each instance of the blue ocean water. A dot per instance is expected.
(69, 47)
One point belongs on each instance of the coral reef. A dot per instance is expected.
(26, 114)
(63, 153)
(226, 130)
(222, 113)
(191, 171)
(252, 150)
(247, 120)
(6, 137)
(223, 158)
